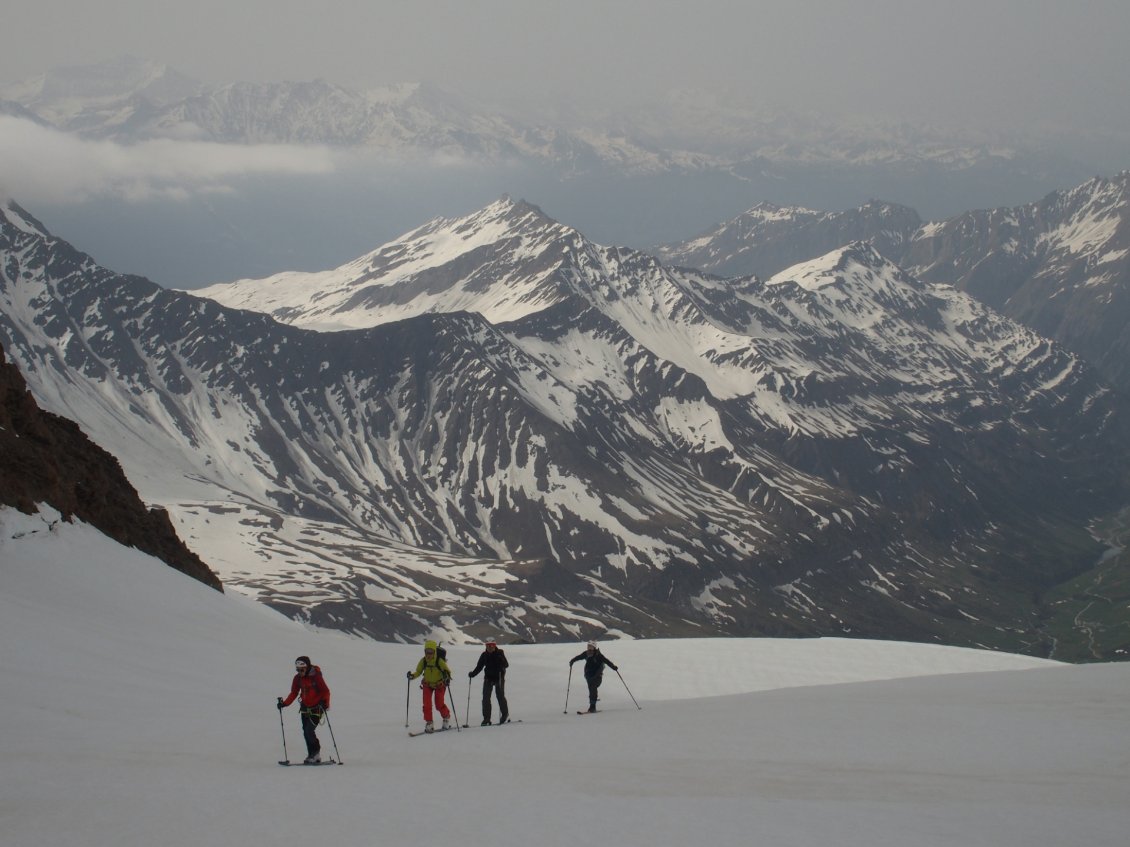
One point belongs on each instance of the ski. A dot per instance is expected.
(433, 732)
(500, 723)
(289, 764)
(587, 712)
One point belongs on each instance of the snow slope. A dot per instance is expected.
(139, 710)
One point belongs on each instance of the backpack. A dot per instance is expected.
(441, 656)
(441, 653)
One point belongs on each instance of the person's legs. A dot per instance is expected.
(442, 706)
(488, 683)
(500, 692)
(310, 722)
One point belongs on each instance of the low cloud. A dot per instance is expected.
(42, 165)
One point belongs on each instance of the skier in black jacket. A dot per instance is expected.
(594, 670)
(493, 663)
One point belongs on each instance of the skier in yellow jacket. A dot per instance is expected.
(436, 676)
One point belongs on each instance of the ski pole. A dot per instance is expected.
(407, 701)
(286, 758)
(567, 685)
(457, 729)
(329, 726)
(467, 714)
(638, 706)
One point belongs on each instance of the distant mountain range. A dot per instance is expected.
(495, 425)
(129, 100)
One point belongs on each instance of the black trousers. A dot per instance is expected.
(594, 684)
(498, 686)
(310, 720)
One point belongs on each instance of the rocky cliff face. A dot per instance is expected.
(47, 459)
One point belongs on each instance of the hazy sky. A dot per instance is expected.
(956, 61)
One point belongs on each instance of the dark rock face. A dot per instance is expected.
(45, 458)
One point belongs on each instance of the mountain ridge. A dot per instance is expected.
(649, 451)
(1060, 265)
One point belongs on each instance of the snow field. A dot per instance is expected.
(140, 711)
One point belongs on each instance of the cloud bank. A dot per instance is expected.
(42, 165)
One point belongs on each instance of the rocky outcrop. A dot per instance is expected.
(45, 458)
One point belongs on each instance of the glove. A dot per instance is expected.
(615, 668)
(470, 674)
(409, 674)
(279, 703)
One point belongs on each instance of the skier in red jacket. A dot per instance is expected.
(314, 701)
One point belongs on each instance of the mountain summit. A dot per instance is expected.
(447, 265)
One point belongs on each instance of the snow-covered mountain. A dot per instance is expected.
(769, 238)
(1060, 265)
(534, 434)
(101, 99)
